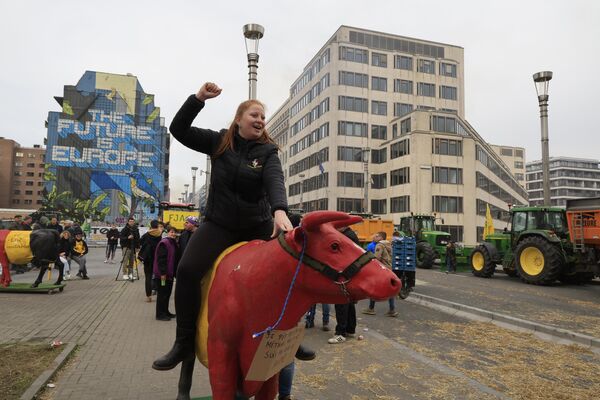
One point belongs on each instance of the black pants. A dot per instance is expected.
(148, 275)
(205, 245)
(163, 294)
(345, 314)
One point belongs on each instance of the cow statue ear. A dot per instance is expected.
(298, 236)
(313, 221)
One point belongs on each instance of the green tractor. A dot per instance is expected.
(431, 244)
(537, 248)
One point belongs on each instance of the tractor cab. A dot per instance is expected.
(548, 221)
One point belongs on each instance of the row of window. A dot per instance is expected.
(505, 151)
(310, 73)
(313, 115)
(29, 174)
(26, 201)
(308, 185)
(308, 162)
(27, 192)
(489, 186)
(483, 157)
(29, 165)
(564, 173)
(310, 139)
(357, 79)
(447, 147)
(27, 183)
(358, 154)
(447, 124)
(314, 92)
(497, 212)
(453, 176)
(398, 204)
(29, 155)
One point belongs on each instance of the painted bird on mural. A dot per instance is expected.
(142, 187)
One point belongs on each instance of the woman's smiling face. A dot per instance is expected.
(252, 122)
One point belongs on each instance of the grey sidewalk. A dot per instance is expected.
(119, 338)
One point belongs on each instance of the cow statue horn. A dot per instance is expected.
(312, 221)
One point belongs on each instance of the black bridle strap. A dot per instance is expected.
(351, 270)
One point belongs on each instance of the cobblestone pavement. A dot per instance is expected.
(119, 337)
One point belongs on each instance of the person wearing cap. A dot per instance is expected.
(130, 242)
(149, 241)
(189, 227)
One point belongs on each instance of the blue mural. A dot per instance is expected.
(108, 144)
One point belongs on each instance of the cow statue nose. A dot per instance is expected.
(395, 282)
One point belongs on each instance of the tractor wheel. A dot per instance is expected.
(425, 255)
(538, 262)
(482, 264)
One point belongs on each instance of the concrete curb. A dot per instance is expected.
(442, 304)
(41, 380)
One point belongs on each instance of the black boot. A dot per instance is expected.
(182, 349)
(305, 354)
(35, 284)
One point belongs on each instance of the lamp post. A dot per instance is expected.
(365, 160)
(186, 198)
(542, 81)
(301, 191)
(193, 197)
(252, 34)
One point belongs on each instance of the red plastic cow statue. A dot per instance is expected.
(251, 283)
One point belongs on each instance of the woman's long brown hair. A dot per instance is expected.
(227, 142)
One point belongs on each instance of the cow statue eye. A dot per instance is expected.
(335, 246)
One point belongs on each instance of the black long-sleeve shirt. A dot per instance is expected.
(246, 185)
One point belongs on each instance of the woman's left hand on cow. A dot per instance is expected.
(281, 223)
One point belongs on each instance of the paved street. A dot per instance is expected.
(422, 354)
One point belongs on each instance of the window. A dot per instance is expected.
(405, 126)
(353, 104)
(401, 109)
(519, 164)
(16, 191)
(378, 83)
(16, 201)
(28, 183)
(447, 175)
(379, 60)
(42, 165)
(448, 92)
(18, 154)
(378, 107)
(400, 176)
(399, 149)
(379, 132)
(18, 173)
(354, 79)
(347, 128)
(379, 206)
(379, 181)
(350, 153)
(350, 179)
(519, 221)
(448, 204)
(379, 156)
(403, 62)
(30, 174)
(30, 165)
(394, 131)
(447, 124)
(519, 177)
(355, 55)
(426, 89)
(18, 164)
(349, 205)
(403, 86)
(29, 192)
(455, 231)
(426, 66)
(506, 152)
(518, 153)
(448, 69)
(27, 201)
(400, 204)
(447, 147)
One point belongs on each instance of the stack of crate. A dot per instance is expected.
(404, 254)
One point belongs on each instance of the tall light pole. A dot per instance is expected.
(252, 34)
(194, 170)
(365, 160)
(542, 81)
(301, 191)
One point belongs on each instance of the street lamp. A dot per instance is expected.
(186, 197)
(301, 190)
(194, 170)
(542, 81)
(365, 159)
(252, 34)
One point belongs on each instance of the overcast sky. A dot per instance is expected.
(174, 46)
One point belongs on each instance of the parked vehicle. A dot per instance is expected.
(431, 243)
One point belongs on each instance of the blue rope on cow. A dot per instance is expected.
(270, 328)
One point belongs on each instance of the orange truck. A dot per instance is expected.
(583, 219)
(370, 226)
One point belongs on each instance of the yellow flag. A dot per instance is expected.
(488, 228)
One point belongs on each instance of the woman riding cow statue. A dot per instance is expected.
(247, 202)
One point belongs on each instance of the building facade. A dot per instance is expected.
(21, 175)
(570, 178)
(515, 160)
(375, 123)
(109, 145)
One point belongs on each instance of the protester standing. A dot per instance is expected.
(148, 243)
